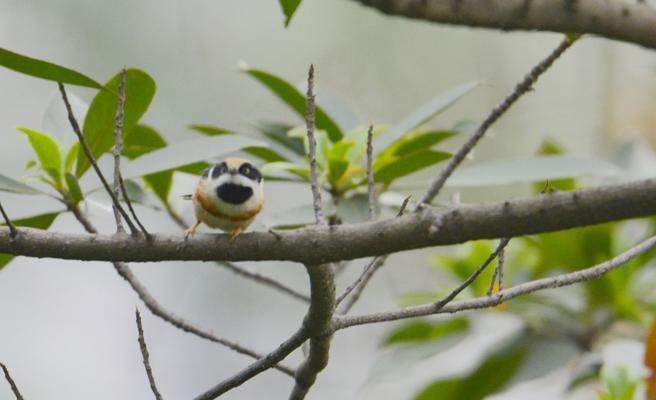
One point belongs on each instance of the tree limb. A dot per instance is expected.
(11, 382)
(322, 244)
(571, 278)
(627, 21)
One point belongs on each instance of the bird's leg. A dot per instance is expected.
(236, 232)
(192, 229)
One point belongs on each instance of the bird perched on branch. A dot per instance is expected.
(228, 196)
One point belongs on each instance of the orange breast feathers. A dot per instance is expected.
(204, 202)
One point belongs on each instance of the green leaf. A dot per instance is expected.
(73, 188)
(187, 152)
(71, 156)
(289, 8)
(296, 101)
(419, 141)
(337, 159)
(299, 170)
(422, 330)
(143, 140)
(8, 184)
(491, 376)
(210, 130)
(407, 164)
(425, 113)
(48, 152)
(278, 133)
(263, 153)
(42, 221)
(99, 122)
(43, 69)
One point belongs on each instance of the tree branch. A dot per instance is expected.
(318, 325)
(12, 228)
(118, 147)
(504, 295)
(12, 384)
(371, 189)
(312, 149)
(146, 357)
(261, 365)
(522, 88)
(633, 22)
(322, 244)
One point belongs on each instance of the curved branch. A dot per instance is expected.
(627, 21)
(322, 244)
(571, 278)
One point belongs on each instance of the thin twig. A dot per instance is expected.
(146, 357)
(12, 228)
(14, 388)
(362, 281)
(498, 273)
(370, 174)
(153, 305)
(312, 150)
(522, 88)
(455, 292)
(245, 272)
(557, 281)
(92, 160)
(261, 365)
(127, 201)
(118, 147)
(263, 279)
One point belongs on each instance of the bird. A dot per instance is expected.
(228, 196)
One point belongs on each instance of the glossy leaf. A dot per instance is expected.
(73, 188)
(337, 160)
(423, 330)
(278, 133)
(48, 153)
(8, 184)
(425, 113)
(42, 221)
(408, 164)
(419, 141)
(99, 122)
(45, 70)
(265, 154)
(491, 376)
(71, 157)
(296, 101)
(142, 140)
(210, 130)
(299, 170)
(289, 8)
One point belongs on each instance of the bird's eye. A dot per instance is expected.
(246, 170)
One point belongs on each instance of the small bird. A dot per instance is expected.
(228, 196)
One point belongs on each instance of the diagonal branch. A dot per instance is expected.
(12, 228)
(146, 357)
(153, 305)
(628, 21)
(522, 88)
(431, 227)
(312, 150)
(92, 160)
(261, 365)
(11, 382)
(571, 278)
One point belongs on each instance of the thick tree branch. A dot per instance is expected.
(628, 21)
(318, 325)
(571, 278)
(431, 227)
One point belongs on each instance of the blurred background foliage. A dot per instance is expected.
(598, 338)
